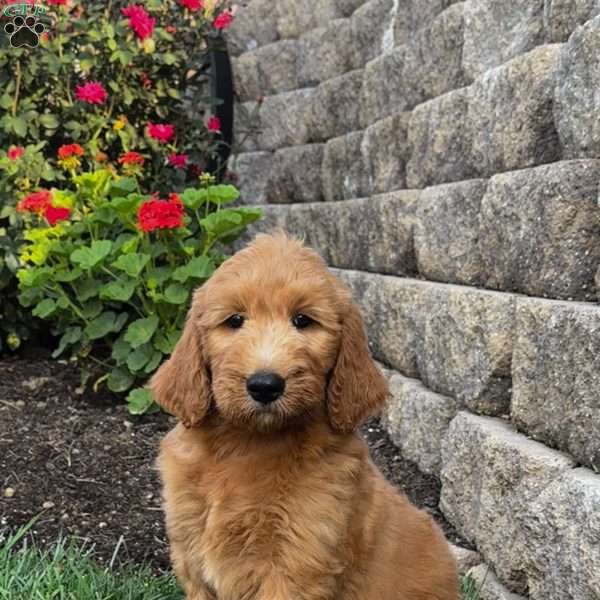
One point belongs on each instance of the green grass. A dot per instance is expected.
(67, 572)
(469, 588)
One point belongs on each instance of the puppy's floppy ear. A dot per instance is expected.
(182, 384)
(357, 388)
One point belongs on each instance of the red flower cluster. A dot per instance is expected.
(70, 150)
(15, 152)
(40, 203)
(139, 20)
(179, 161)
(131, 158)
(161, 214)
(224, 20)
(163, 133)
(57, 2)
(214, 124)
(92, 93)
(192, 5)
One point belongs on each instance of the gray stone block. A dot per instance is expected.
(490, 475)
(335, 108)
(447, 236)
(286, 119)
(252, 171)
(556, 375)
(510, 111)
(245, 76)
(344, 174)
(372, 234)
(488, 585)
(540, 229)
(369, 24)
(246, 126)
(385, 153)
(440, 135)
(465, 559)
(417, 420)
(325, 53)
(278, 66)
(576, 94)
(254, 25)
(412, 15)
(296, 17)
(295, 175)
(496, 32)
(562, 17)
(563, 530)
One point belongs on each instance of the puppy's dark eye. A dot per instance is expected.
(234, 321)
(301, 321)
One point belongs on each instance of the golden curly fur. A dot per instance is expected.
(281, 501)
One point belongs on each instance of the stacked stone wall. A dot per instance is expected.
(444, 158)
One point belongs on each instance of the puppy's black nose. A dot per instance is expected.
(265, 387)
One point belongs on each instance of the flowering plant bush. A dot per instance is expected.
(113, 268)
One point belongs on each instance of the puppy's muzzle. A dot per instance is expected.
(265, 386)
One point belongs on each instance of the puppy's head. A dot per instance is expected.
(273, 338)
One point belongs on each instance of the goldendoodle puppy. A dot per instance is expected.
(269, 492)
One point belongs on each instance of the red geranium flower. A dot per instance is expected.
(192, 5)
(131, 158)
(36, 202)
(70, 150)
(54, 215)
(92, 92)
(139, 20)
(161, 214)
(57, 2)
(15, 152)
(178, 161)
(214, 124)
(223, 20)
(163, 133)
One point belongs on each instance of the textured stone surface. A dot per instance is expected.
(335, 108)
(369, 25)
(556, 375)
(447, 235)
(429, 65)
(417, 420)
(252, 170)
(246, 126)
(562, 17)
(325, 52)
(385, 153)
(540, 229)
(296, 175)
(278, 66)
(563, 529)
(412, 15)
(295, 18)
(255, 25)
(440, 135)
(488, 585)
(490, 473)
(497, 31)
(286, 119)
(576, 96)
(510, 111)
(372, 234)
(344, 174)
(245, 76)
(465, 559)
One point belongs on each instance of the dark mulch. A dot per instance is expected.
(86, 467)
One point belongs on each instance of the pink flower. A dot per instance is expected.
(139, 20)
(161, 132)
(178, 161)
(214, 124)
(15, 152)
(192, 5)
(55, 214)
(223, 20)
(92, 92)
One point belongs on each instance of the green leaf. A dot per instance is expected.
(141, 331)
(65, 275)
(89, 257)
(153, 362)
(120, 380)
(132, 264)
(140, 401)
(176, 294)
(122, 186)
(221, 223)
(87, 288)
(120, 350)
(101, 326)
(200, 267)
(221, 194)
(49, 121)
(91, 310)
(193, 198)
(19, 125)
(71, 336)
(139, 358)
(169, 58)
(44, 309)
(165, 342)
(120, 291)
